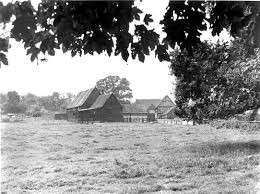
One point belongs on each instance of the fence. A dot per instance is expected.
(175, 121)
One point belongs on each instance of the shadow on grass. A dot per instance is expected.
(226, 148)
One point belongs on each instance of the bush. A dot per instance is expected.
(236, 124)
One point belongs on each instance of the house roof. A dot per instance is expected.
(80, 98)
(156, 106)
(130, 108)
(144, 104)
(140, 105)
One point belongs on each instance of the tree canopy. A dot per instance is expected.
(120, 87)
(85, 27)
(218, 81)
(31, 104)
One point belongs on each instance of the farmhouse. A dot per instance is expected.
(147, 110)
(143, 110)
(165, 109)
(90, 105)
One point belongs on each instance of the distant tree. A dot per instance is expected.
(83, 27)
(30, 99)
(55, 102)
(67, 100)
(34, 110)
(3, 99)
(44, 101)
(13, 104)
(120, 87)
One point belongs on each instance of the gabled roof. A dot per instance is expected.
(140, 105)
(100, 101)
(130, 108)
(80, 98)
(156, 106)
(144, 104)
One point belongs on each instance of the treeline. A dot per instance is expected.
(33, 105)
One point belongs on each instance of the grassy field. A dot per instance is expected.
(40, 156)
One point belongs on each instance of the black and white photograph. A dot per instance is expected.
(129, 97)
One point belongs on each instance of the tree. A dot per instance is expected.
(3, 99)
(30, 99)
(217, 81)
(13, 104)
(120, 87)
(55, 102)
(83, 27)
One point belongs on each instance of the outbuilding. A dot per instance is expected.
(90, 105)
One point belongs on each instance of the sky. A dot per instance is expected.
(62, 73)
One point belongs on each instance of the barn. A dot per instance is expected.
(106, 108)
(90, 105)
(165, 109)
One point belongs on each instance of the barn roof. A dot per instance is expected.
(130, 108)
(144, 104)
(100, 101)
(80, 98)
(140, 105)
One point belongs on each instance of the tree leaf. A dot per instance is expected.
(148, 19)
(141, 57)
(125, 55)
(3, 59)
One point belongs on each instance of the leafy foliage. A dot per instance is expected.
(80, 27)
(13, 103)
(120, 87)
(216, 82)
(185, 20)
(31, 104)
(85, 27)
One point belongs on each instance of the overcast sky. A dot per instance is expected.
(63, 74)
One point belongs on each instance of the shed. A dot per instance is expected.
(61, 116)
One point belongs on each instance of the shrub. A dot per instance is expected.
(236, 124)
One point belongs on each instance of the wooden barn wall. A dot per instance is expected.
(110, 112)
(110, 115)
(72, 114)
(87, 115)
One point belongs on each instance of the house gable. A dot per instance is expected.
(165, 104)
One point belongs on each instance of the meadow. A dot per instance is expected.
(48, 156)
